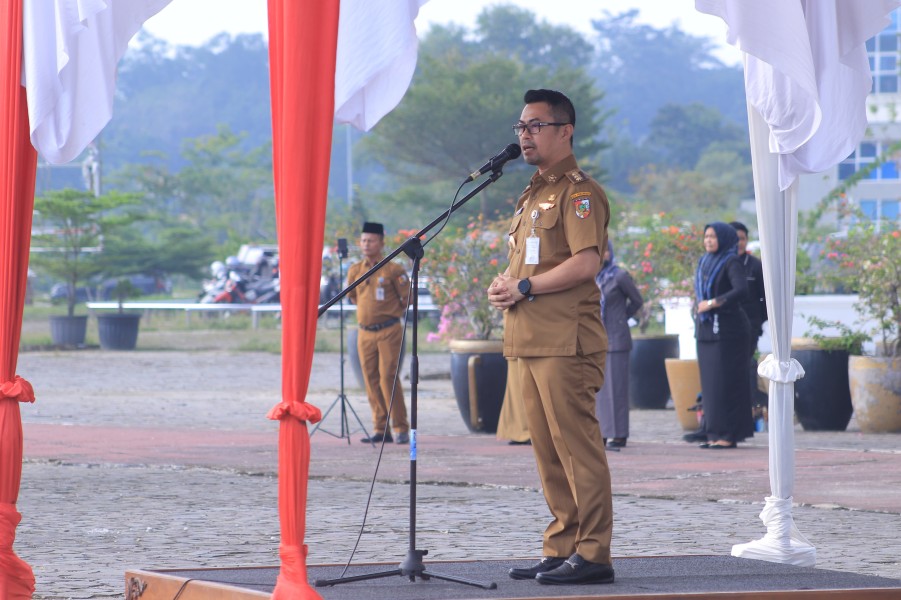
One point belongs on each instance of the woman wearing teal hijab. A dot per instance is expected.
(722, 331)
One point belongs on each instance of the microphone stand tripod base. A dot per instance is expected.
(412, 567)
(345, 422)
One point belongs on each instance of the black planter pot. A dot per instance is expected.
(118, 331)
(823, 395)
(479, 376)
(68, 331)
(648, 385)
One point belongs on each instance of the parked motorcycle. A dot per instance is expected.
(236, 283)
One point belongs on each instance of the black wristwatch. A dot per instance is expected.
(524, 286)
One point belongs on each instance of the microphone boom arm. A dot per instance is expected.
(413, 244)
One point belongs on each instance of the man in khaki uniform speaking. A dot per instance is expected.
(552, 325)
(381, 302)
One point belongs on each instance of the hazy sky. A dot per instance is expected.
(193, 22)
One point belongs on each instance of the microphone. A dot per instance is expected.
(496, 162)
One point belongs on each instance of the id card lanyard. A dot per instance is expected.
(532, 242)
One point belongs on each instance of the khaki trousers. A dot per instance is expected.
(379, 352)
(558, 393)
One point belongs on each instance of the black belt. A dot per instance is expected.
(380, 326)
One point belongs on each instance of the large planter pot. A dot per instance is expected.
(876, 393)
(479, 376)
(118, 331)
(68, 331)
(823, 395)
(648, 387)
(684, 377)
(354, 355)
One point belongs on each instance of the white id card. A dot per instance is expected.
(532, 245)
(379, 293)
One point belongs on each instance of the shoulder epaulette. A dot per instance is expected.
(576, 176)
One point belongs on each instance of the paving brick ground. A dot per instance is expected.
(165, 459)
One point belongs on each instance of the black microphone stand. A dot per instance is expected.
(412, 566)
(342, 397)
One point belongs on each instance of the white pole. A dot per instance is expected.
(350, 165)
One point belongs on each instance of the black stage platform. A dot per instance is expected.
(683, 577)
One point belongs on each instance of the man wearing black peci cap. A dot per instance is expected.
(381, 302)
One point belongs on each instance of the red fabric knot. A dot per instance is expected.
(18, 389)
(299, 410)
(292, 577)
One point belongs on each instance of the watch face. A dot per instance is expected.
(524, 286)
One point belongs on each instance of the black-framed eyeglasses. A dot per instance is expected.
(534, 127)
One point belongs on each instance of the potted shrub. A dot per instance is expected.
(119, 330)
(870, 261)
(823, 395)
(660, 253)
(460, 265)
(72, 224)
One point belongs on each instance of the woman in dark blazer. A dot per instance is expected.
(722, 331)
(620, 300)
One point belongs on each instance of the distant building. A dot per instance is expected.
(879, 195)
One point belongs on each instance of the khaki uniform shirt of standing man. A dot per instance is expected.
(381, 302)
(552, 325)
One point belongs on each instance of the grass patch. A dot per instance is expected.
(172, 330)
(259, 344)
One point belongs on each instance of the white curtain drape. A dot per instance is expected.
(377, 49)
(777, 221)
(70, 52)
(807, 77)
(71, 49)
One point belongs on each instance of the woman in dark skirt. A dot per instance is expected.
(722, 332)
(620, 300)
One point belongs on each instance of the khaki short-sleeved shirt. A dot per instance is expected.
(381, 297)
(568, 212)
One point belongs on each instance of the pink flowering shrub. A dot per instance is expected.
(460, 264)
(661, 254)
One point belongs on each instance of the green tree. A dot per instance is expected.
(73, 225)
(465, 97)
(643, 68)
(224, 191)
(701, 195)
(681, 133)
(728, 168)
(166, 94)
(512, 31)
(176, 250)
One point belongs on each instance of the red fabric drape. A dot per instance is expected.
(18, 161)
(302, 46)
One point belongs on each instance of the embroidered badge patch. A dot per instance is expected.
(582, 203)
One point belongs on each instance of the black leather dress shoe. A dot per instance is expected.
(377, 438)
(577, 571)
(547, 563)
